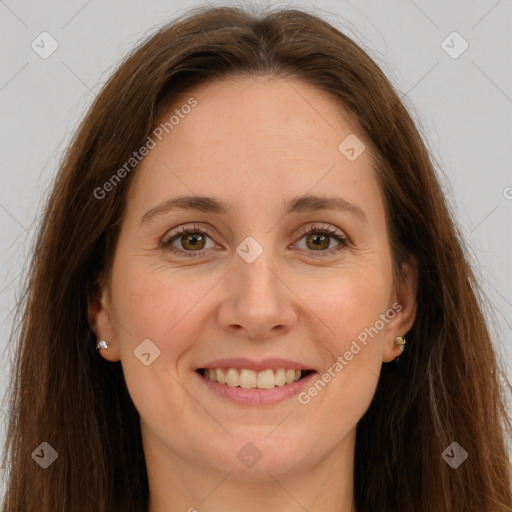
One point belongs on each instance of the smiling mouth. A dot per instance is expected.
(245, 378)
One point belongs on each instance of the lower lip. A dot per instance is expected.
(256, 396)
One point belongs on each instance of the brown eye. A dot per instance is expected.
(187, 241)
(193, 241)
(317, 241)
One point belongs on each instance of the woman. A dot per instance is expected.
(248, 292)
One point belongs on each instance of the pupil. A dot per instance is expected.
(191, 240)
(319, 239)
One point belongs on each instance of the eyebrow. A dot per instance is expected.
(300, 204)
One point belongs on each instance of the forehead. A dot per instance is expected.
(262, 115)
(258, 139)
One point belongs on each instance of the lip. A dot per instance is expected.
(257, 366)
(255, 396)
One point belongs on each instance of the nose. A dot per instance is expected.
(257, 302)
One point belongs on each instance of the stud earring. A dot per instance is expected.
(102, 344)
(400, 342)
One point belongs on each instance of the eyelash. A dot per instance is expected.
(325, 230)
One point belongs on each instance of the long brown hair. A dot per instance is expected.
(447, 387)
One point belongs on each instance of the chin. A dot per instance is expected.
(256, 456)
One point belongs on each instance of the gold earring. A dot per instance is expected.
(400, 342)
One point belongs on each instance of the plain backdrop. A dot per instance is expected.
(462, 103)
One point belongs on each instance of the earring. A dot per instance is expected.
(102, 344)
(400, 342)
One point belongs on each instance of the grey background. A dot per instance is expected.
(463, 107)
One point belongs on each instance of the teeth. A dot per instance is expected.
(221, 376)
(232, 378)
(247, 379)
(280, 377)
(266, 379)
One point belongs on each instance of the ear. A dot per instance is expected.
(404, 304)
(102, 323)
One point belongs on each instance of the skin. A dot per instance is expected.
(254, 143)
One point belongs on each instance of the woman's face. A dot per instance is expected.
(248, 294)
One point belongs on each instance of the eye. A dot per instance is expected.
(192, 241)
(318, 239)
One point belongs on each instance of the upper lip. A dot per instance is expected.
(258, 366)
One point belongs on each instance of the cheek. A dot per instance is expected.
(352, 308)
(355, 313)
(166, 310)
(162, 306)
